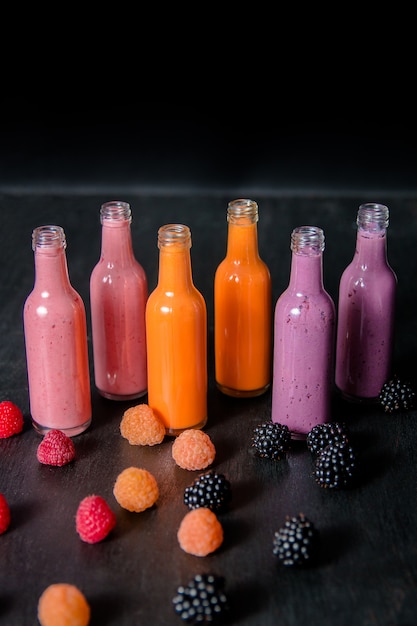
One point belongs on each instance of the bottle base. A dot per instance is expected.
(121, 397)
(242, 393)
(174, 432)
(296, 436)
(70, 432)
(358, 399)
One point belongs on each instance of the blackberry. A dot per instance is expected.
(296, 542)
(271, 440)
(322, 435)
(210, 490)
(335, 466)
(397, 395)
(202, 600)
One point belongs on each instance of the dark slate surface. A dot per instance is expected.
(367, 569)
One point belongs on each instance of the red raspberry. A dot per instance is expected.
(56, 448)
(4, 514)
(94, 519)
(11, 419)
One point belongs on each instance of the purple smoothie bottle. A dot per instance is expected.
(366, 310)
(304, 331)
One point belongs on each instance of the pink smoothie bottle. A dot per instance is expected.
(118, 295)
(366, 308)
(56, 341)
(304, 330)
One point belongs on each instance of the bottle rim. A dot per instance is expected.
(174, 235)
(115, 211)
(307, 240)
(373, 216)
(48, 237)
(242, 208)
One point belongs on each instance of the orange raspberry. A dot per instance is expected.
(200, 532)
(193, 450)
(141, 427)
(63, 604)
(136, 489)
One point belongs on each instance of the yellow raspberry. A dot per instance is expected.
(136, 489)
(63, 604)
(200, 532)
(141, 427)
(193, 450)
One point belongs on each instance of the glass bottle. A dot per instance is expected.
(176, 326)
(304, 329)
(118, 294)
(366, 309)
(242, 308)
(56, 341)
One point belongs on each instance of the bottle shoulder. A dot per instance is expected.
(368, 274)
(108, 271)
(295, 300)
(61, 305)
(232, 266)
(162, 297)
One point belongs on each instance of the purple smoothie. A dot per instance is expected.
(366, 310)
(304, 340)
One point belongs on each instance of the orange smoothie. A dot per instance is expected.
(176, 329)
(243, 310)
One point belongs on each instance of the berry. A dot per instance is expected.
(4, 514)
(94, 519)
(335, 466)
(56, 448)
(397, 395)
(271, 440)
(202, 600)
(296, 542)
(62, 604)
(11, 419)
(210, 490)
(141, 427)
(322, 435)
(200, 532)
(193, 450)
(136, 489)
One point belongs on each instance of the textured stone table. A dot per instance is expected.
(366, 574)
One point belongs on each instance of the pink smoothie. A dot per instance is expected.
(365, 319)
(303, 349)
(118, 294)
(56, 348)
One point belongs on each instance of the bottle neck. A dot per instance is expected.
(371, 249)
(306, 273)
(51, 269)
(116, 239)
(242, 238)
(242, 242)
(116, 243)
(174, 242)
(307, 245)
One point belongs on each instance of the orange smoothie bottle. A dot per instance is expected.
(242, 308)
(176, 331)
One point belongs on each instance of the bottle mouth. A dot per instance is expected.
(373, 217)
(174, 235)
(307, 240)
(48, 237)
(115, 211)
(242, 211)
